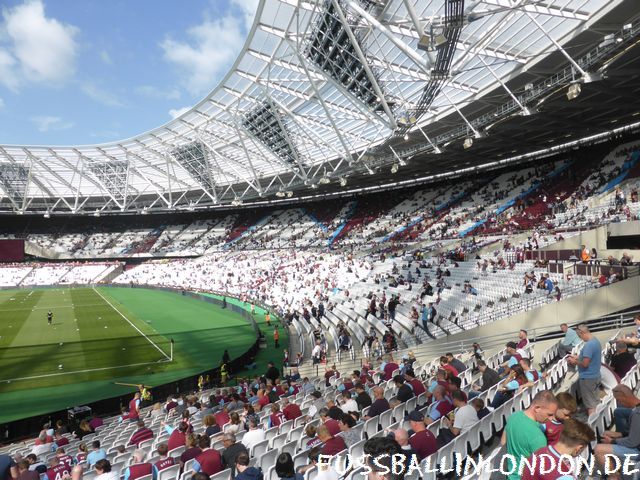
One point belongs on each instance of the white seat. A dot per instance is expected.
(223, 475)
(259, 448)
(169, 473)
(268, 459)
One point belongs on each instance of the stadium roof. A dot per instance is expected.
(321, 90)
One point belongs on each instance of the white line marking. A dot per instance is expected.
(129, 322)
(45, 375)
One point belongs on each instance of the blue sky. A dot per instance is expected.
(94, 71)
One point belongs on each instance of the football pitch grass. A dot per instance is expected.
(105, 335)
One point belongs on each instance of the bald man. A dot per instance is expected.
(379, 405)
(402, 437)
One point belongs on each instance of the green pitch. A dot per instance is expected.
(103, 335)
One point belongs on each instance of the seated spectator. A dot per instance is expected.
(347, 422)
(379, 405)
(571, 442)
(209, 461)
(276, 418)
(349, 404)
(311, 432)
(616, 443)
(104, 472)
(622, 360)
(59, 440)
(290, 410)
(96, 453)
(405, 392)
(138, 467)
(444, 364)
(165, 461)
(569, 340)
(284, 468)
(455, 363)
(325, 471)
(231, 451)
(440, 406)
(422, 441)
(244, 471)
(481, 409)
(388, 367)
(567, 407)
(254, 435)
(523, 339)
(57, 469)
(362, 399)
(192, 450)
(23, 471)
(142, 434)
(331, 444)
(465, 416)
(489, 378)
(522, 434)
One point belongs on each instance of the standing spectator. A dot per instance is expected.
(588, 363)
(569, 340)
(523, 339)
(522, 434)
(615, 443)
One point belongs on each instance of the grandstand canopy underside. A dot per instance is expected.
(328, 95)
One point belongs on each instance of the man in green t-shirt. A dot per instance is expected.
(523, 435)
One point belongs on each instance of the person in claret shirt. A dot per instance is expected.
(567, 407)
(177, 436)
(165, 461)
(387, 367)
(59, 440)
(332, 444)
(444, 364)
(277, 417)
(192, 451)
(332, 424)
(523, 339)
(140, 435)
(379, 405)
(417, 386)
(313, 441)
(64, 458)
(422, 441)
(209, 461)
(547, 463)
(57, 470)
(290, 410)
(138, 467)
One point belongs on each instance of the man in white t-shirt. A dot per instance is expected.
(465, 417)
(254, 435)
(348, 403)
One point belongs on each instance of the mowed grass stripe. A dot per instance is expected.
(12, 323)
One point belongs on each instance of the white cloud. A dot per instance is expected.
(207, 53)
(176, 112)
(105, 57)
(45, 123)
(104, 97)
(248, 9)
(155, 92)
(36, 48)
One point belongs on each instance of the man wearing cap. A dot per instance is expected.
(422, 441)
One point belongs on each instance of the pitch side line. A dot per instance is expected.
(129, 322)
(45, 375)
